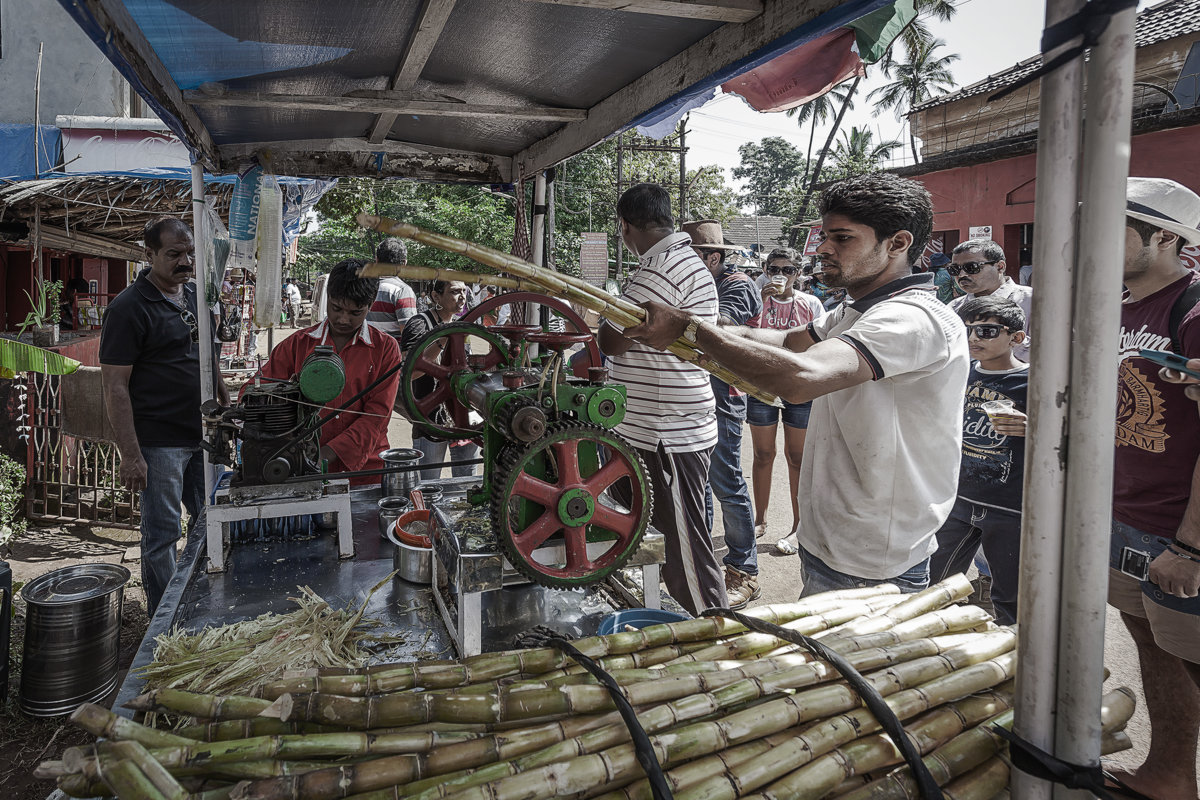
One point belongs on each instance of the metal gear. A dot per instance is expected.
(557, 491)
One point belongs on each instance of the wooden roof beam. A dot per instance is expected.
(339, 156)
(383, 102)
(715, 10)
(431, 20)
(718, 50)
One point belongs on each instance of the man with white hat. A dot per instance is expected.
(739, 301)
(1157, 464)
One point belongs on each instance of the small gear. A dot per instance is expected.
(556, 492)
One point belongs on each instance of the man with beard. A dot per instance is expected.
(150, 365)
(886, 372)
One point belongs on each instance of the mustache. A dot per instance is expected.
(179, 270)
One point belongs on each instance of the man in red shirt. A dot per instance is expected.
(354, 438)
(1156, 513)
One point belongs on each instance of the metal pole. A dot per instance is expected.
(35, 243)
(683, 200)
(537, 241)
(37, 115)
(1058, 147)
(620, 184)
(203, 318)
(1088, 518)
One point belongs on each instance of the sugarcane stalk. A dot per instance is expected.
(124, 765)
(203, 706)
(247, 729)
(104, 724)
(982, 783)
(128, 782)
(779, 713)
(951, 590)
(824, 774)
(415, 272)
(51, 770)
(79, 786)
(620, 311)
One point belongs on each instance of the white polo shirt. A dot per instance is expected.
(670, 401)
(880, 468)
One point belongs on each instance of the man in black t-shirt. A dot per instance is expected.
(150, 363)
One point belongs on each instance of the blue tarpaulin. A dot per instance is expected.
(17, 146)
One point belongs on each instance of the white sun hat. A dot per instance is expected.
(1165, 203)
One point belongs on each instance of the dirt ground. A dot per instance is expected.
(25, 741)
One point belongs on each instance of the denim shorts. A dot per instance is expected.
(1175, 621)
(795, 415)
(817, 577)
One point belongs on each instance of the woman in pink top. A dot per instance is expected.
(783, 309)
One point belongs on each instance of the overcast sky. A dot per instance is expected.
(989, 36)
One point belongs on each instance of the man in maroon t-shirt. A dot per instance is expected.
(1157, 462)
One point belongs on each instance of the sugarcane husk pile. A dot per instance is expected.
(729, 714)
(556, 284)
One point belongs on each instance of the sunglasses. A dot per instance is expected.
(971, 267)
(189, 319)
(987, 330)
(782, 270)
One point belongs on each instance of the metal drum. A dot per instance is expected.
(399, 484)
(72, 638)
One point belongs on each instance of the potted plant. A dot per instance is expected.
(43, 319)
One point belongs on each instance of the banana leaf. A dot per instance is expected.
(20, 357)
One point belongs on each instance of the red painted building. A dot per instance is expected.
(980, 159)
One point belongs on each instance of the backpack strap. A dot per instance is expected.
(1187, 300)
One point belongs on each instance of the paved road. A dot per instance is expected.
(779, 576)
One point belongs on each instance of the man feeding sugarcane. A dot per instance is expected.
(886, 372)
(671, 417)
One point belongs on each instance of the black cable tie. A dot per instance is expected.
(871, 697)
(1032, 760)
(1090, 22)
(643, 749)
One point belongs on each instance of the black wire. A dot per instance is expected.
(871, 697)
(468, 462)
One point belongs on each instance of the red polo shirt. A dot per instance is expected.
(359, 434)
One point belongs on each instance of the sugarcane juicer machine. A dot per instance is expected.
(269, 439)
(564, 502)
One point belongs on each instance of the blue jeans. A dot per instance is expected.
(174, 478)
(435, 453)
(725, 480)
(999, 531)
(820, 577)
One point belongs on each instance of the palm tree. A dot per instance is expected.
(819, 109)
(917, 33)
(857, 151)
(922, 76)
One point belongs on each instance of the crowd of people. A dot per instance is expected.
(902, 397)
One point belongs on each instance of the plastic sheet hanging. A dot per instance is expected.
(243, 216)
(216, 254)
(268, 303)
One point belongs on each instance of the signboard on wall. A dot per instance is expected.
(593, 258)
(981, 232)
(813, 241)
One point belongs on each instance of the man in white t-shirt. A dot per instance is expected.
(978, 266)
(292, 293)
(671, 416)
(886, 372)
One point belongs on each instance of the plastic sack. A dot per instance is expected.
(243, 215)
(216, 252)
(268, 300)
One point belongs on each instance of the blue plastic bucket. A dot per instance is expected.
(638, 618)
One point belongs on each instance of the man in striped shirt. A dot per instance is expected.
(671, 418)
(396, 302)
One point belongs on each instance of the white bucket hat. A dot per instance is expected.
(1165, 203)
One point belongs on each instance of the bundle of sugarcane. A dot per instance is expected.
(564, 287)
(415, 272)
(728, 713)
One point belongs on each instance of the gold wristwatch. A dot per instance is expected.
(692, 329)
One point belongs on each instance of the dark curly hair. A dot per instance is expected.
(887, 204)
(344, 283)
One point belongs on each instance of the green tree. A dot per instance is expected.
(819, 109)
(857, 153)
(770, 168)
(922, 75)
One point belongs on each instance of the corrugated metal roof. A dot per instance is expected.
(746, 231)
(1167, 20)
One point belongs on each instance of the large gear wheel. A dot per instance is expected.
(557, 491)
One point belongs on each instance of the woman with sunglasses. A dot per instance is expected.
(783, 309)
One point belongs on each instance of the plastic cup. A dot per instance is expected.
(999, 409)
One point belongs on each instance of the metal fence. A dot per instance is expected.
(71, 480)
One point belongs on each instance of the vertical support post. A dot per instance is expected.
(683, 182)
(620, 186)
(1088, 517)
(208, 376)
(35, 244)
(537, 242)
(1055, 247)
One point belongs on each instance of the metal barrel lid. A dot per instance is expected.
(75, 584)
(401, 455)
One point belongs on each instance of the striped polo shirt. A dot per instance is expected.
(670, 400)
(395, 303)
